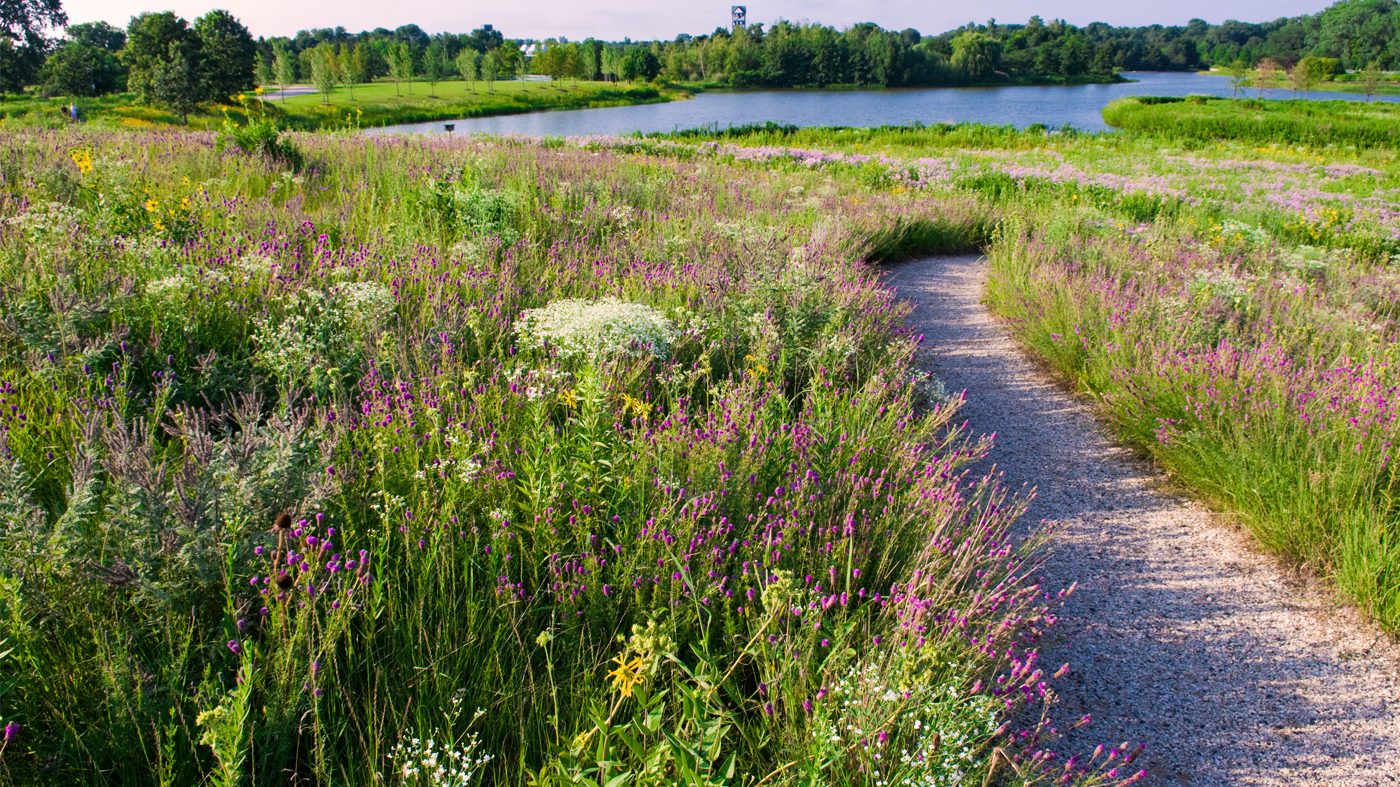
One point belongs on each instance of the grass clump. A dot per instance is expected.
(1289, 122)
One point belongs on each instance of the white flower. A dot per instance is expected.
(598, 328)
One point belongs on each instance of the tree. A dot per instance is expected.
(1238, 73)
(489, 70)
(1266, 74)
(1300, 77)
(149, 42)
(1074, 57)
(1370, 79)
(263, 71)
(227, 55)
(433, 64)
(325, 70)
(350, 68)
(976, 54)
(469, 65)
(509, 61)
(97, 34)
(1103, 62)
(640, 63)
(396, 66)
(23, 22)
(82, 70)
(401, 65)
(284, 67)
(175, 83)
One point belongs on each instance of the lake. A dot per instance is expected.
(1078, 106)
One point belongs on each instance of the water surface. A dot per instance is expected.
(1078, 106)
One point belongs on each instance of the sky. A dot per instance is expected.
(642, 20)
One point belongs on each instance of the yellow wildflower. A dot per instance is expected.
(635, 406)
(151, 205)
(627, 675)
(567, 397)
(82, 157)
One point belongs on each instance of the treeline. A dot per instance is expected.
(1356, 33)
(163, 59)
(160, 57)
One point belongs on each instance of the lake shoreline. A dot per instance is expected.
(1078, 106)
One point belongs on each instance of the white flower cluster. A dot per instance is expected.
(576, 327)
(1219, 283)
(44, 220)
(745, 233)
(427, 762)
(170, 288)
(930, 390)
(538, 383)
(938, 740)
(253, 265)
(1237, 230)
(464, 470)
(366, 302)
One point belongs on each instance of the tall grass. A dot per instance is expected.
(1230, 305)
(1288, 122)
(305, 477)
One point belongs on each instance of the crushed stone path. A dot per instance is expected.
(1233, 670)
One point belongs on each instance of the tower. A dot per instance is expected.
(738, 14)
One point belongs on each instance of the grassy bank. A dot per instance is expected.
(1290, 122)
(367, 106)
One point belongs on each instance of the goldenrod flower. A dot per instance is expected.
(627, 675)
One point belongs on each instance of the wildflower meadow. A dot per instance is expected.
(427, 461)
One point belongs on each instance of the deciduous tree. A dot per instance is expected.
(227, 55)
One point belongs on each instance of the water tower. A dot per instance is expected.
(738, 14)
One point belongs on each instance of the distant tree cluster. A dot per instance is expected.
(164, 60)
(160, 58)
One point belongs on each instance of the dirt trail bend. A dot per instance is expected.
(1179, 634)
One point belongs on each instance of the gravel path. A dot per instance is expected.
(1233, 671)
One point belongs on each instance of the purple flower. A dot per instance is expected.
(234, 646)
(11, 731)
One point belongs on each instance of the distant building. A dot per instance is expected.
(739, 15)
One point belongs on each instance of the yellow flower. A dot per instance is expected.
(635, 406)
(242, 97)
(82, 157)
(626, 675)
(567, 397)
(151, 204)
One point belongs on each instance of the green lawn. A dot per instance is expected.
(384, 103)
(378, 104)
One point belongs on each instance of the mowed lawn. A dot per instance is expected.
(383, 103)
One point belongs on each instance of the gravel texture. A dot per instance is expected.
(1233, 670)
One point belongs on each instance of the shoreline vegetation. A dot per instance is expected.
(1319, 124)
(372, 105)
(381, 104)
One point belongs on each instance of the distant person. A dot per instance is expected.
(73, 112)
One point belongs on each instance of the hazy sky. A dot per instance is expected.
(641, 20)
